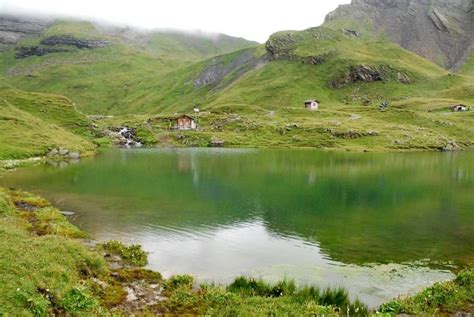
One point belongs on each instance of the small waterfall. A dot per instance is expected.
(129, 139)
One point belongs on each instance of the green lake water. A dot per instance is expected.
(378, 224)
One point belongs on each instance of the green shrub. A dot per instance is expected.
(36, 303)
(132, 255)
(179, 281)
(465, 278)
(249, 287)
(78, 300)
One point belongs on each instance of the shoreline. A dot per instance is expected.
(11, 164)
(117, 282)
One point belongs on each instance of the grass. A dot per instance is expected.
(32, 124)
(441, 298)
(139, 81)
(354, 128)
(40, 274)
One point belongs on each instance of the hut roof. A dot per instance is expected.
(185, 116)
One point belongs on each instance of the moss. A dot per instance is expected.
(129, 275)
(49, 221)
(30, 202)
(110, 296)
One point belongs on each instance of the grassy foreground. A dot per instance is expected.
(46, 269)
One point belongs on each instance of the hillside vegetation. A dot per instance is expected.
(253, 96)
(34, 123)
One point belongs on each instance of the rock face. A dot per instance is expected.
(14, 28)
(25, 51)
(367, 74)
(218, 69)
(440, 30)
(72, 41)
(282, 45)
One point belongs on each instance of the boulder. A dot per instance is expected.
(63, 151)
(53, 152)
(403, 78)
(74, 155)
(451, 146)
(217, 142)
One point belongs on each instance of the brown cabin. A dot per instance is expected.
(311, 104)
(185, 122)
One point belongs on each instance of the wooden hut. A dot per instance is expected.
(185, 122)
(459, 108)
(311, 104)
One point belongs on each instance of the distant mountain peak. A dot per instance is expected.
(440, 30)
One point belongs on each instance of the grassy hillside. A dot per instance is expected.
(100, 79)
(33, 123)
(254, 96)
(195, 45)
(263, 105)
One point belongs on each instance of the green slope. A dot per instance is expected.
(194, 45)
(32, 124)
(263, 105)
(100, 79)
(263, 86)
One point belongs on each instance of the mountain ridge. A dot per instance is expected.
(440, 30)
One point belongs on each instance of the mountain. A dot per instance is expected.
(254, 95)
(440, 30)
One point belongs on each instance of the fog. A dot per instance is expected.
(253, 20)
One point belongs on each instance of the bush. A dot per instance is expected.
(37, 304)
(179, 281)
(132, 255)
(77, 300)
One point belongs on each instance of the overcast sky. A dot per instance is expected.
(251, 19)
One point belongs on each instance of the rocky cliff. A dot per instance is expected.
(440, 30)
(14, 28)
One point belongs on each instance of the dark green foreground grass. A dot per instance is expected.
(46, 269)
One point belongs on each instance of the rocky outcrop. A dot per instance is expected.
(13, 29)
(24, 51)
(440, 30)
(63, 153)
(68, 40)
(282, 45)
(58, 40)
(367, 74)
(220, 69)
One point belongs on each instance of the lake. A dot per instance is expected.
(378, 224)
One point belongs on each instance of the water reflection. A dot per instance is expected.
(318, 217)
